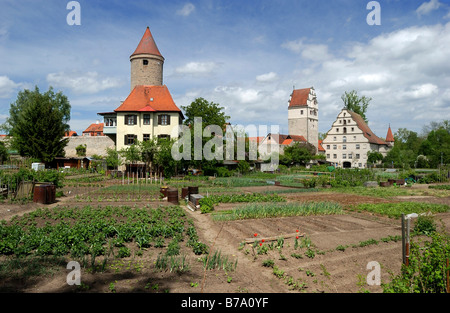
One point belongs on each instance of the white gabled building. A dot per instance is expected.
(350, 139)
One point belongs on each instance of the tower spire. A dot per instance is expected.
(389, 136)
(146, 63)
(147, 45)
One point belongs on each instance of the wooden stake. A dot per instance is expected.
(252, 240)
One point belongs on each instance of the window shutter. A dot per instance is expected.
(168, 119)
(135, 119)
(159, 119)
(126, 119)
(125, 139)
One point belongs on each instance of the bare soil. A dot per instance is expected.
(329, 271)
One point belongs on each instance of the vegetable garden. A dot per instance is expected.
(115, 227)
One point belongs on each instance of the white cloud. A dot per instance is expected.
(83, 83)
(8, 87)
(421, 91)
(314, 52)
(266, 78)
(239, 94)
(197, 68)
(401, 71)
(187, 9)
(426, 7)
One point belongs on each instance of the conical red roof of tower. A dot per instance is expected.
(147, 45)
(389, 137)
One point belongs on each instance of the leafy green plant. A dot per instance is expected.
(278, 272)
(427, 268)
(268, 263)
(310, 253)
(124, 252)
(424, 225)
(206, 205)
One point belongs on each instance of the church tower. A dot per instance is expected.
(303, 115)
(146, 63)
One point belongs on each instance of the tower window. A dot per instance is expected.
(145, 62)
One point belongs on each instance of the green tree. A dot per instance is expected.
(374, 156)
(436, 147)
(164, 160)
(113, 159)
(37, 123)
(149, 149)
(355, 103)
(210, 112)
(131, 154)
(298, 153)
(4, 155)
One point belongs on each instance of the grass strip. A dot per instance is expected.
(253, 211)
(397, 209)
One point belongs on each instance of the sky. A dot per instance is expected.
(246, 55)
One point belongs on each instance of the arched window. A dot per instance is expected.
(344, 139)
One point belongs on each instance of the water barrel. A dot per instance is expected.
(193, 190)
(163, 191)
(51, 193)
(184, 192)
(40, 194)
(172, 195)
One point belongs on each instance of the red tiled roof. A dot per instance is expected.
(320, 146)
(70, 133)
(145, 98)
(365, 129)
(389, 136)
(284, 139)
(297, 138)
(97, 128)
(299, 97)
(257, 139)
(147, 45)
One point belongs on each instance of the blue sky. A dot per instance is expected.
(245, 55)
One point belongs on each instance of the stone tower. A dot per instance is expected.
(303, 115)
(146, 63)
